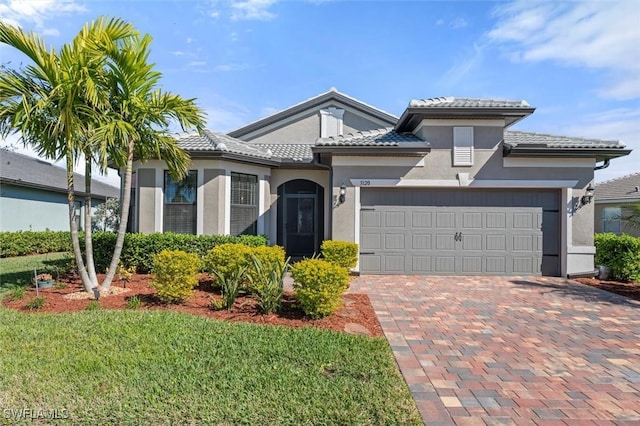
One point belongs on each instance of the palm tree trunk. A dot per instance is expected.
(75, 240)
(88, 241)
(124, 216)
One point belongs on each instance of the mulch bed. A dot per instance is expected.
(630, 290)
(356, 315)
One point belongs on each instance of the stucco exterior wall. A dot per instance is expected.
(213, 195)
(31, 209)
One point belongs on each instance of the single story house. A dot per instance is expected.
(446, 188)
(612, 201)
(33, 194)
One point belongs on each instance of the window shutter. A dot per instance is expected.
(463, 146)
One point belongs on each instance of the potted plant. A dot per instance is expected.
(44, 280)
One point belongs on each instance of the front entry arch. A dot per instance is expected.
(300, 217)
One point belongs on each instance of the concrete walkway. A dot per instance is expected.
(487, 350)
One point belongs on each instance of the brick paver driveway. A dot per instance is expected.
(486, 350)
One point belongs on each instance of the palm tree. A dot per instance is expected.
(97, 96)
(138, 121)
(54, 100)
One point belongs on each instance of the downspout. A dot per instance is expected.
(603, 165)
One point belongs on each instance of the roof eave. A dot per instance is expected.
(598, 153)
(368, 150)
(411, 117)
(617, 200)
(232, 156)
(53, 188)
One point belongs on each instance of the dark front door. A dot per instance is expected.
(300, 224)
(300, 217)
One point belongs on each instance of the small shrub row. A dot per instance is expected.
(23, 243)
(621, 253)
(138, 250)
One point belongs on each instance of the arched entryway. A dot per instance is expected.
(300, 217)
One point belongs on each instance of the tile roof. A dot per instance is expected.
(515, 138)
(381, 137)
(23, 170)
(455, 102)
(289, 151)
(625, 187)
(211, 141)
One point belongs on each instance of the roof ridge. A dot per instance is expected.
(619, 178)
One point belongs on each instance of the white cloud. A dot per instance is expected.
(196, 64)
(597, 34)
(458, 23)
(252, 10)
(37, 13)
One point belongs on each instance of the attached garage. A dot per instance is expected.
(459, 231)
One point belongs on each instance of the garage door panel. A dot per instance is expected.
(478, 232)
(370, 242)
(394, 242)
(421, 242)
(421, 219)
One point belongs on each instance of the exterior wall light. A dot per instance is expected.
(588, 195)
(343, 194)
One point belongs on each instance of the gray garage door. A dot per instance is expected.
(459, 232)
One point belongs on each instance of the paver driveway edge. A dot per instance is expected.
(511, 350)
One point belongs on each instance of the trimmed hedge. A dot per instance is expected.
(138, 250)
(621, 253)
(23, 243)
(341, 253)
(319, 286)
(176, 274)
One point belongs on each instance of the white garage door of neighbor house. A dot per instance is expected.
(403, 232)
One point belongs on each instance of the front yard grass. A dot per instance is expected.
(161, 367)
(18, 271)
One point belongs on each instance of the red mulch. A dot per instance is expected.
(630, 290)
(356, 308)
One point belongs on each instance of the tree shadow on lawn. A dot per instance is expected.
(579, 291)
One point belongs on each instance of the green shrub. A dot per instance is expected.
(22, 243)
(267, 280)
(35, 304)
(621, 253)
(93, 305)
(176, 274)
(341, 253)
(134, 302)
(268, 257)
(17, 292)
(138, 250)
(226, 259)
(230, 283)
(319, 286)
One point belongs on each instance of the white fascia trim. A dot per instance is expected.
(262, 193)
(364, 182)
(524, 183)
(548, 162)
(618, 201)
(159, 198)
(581, 250)
(350, 160)
(227, 202)
(200, 201)
(356, 236)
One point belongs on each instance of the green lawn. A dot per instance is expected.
(153, 367)
(19, 270)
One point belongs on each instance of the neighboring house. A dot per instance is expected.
(33, 194)
(443, 189)
(613, 199)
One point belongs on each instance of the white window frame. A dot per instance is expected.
(612, 220)
(463, 146)
(331, 122)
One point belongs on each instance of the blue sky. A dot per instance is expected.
(578, 63)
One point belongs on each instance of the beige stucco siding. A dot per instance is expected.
(146, 178)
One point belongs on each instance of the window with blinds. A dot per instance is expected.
(244, 204)
(463, 146)
(180, 201)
